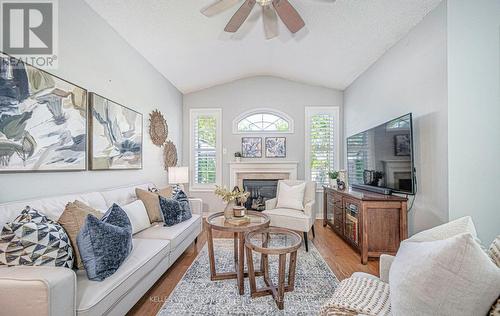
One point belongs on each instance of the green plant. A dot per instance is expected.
(333, 174)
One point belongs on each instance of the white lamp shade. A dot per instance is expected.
(178, 175)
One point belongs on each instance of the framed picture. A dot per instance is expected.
(43, 120)
(251, 147)
(402, 145)
(115, 135)
(275, 147)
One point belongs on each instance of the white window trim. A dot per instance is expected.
(217, 112)
(287, 117)
(311, 110)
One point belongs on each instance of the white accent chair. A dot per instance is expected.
(293, 219)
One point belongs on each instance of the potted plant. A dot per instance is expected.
(333, 175)
(230, 198)
(237, 156)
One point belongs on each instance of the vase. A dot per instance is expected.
(333, 183)
(228, 211)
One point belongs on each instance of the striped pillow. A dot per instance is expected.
(494, 251)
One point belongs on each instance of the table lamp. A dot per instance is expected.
(178, 176)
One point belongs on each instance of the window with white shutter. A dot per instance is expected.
(205, 147)
(322, 143)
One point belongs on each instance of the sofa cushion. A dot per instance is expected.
(72, 219)
(291, 197)
(444, 231)
(137, 215)
(176, 234)
(453, 276)
(105, 244)
(288, 218)
(123, 195)
(34, 240)
(181, 197)
(151, 202)
(96, 298)
(170, 211)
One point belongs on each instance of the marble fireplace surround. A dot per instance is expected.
(262, 169)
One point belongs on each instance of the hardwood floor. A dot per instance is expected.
(341, 258)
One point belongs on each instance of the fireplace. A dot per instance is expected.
(260, 190)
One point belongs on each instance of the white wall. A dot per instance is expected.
(257, 92)
(94, 56)
(411, 77)
(474, 113)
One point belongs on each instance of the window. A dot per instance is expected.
(263, 121)
(322, 143)
(205, 145)
(359, 156)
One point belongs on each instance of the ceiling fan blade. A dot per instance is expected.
(289, 15)
(218, 7)
(270, 22)
(240, 16)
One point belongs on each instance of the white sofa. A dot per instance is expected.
(58, 291)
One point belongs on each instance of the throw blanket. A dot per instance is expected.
(359, 296)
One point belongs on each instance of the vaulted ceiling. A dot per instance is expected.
(342, 39)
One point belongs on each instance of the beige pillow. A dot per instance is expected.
(72, 219)
(444, 277)
(456, 227)
(291, 197)
(152, 203)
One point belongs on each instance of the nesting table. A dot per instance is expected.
(274, 241)
(217, 221)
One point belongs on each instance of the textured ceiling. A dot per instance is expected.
(341, 40)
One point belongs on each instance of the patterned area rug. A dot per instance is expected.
(197, 295)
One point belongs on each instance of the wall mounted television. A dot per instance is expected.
(382, 157)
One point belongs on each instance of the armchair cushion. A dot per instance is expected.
(291, 219)
(291, 196)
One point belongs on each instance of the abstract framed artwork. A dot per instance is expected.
(275, 147)
(43, 120)
(115, 135)
(251, 147)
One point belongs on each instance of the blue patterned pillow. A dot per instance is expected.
(170, 211)
(105, 244)
(183, 200)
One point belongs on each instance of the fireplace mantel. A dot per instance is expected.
(236, 169)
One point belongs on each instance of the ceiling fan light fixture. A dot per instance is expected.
(263, 3)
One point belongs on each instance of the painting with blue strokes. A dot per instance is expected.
(43, 120)
(275, 147)
(251, 147)
(115, 135)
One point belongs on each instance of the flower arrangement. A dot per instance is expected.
(229, 196)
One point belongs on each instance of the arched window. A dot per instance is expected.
(263, 121)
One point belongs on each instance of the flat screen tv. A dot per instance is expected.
(382, 157)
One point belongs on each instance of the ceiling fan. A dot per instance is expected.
(283, 8)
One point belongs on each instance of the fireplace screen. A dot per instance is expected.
(260, 192)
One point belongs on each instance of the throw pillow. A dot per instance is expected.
(105, 244)
(150, 200)
(184, 205)
(459, 226)
(137, 215)
(494, 251)
(291, 196)
(170, 210)
(34, 240)
(72, 219)
(453, 276)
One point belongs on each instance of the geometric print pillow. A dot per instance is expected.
(34, 240)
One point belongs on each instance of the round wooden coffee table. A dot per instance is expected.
(218, 222)
(274, 241)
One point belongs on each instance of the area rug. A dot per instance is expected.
(197, 295)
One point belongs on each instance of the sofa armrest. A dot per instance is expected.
(196, 206)
(309, 209)
(271, 204)
(385, 266)
(48, 291)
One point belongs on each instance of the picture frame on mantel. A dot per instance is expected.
(275, 147)
(251, 147)
(116, 135)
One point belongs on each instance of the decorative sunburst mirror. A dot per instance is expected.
(158, 128)
(169, 154)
